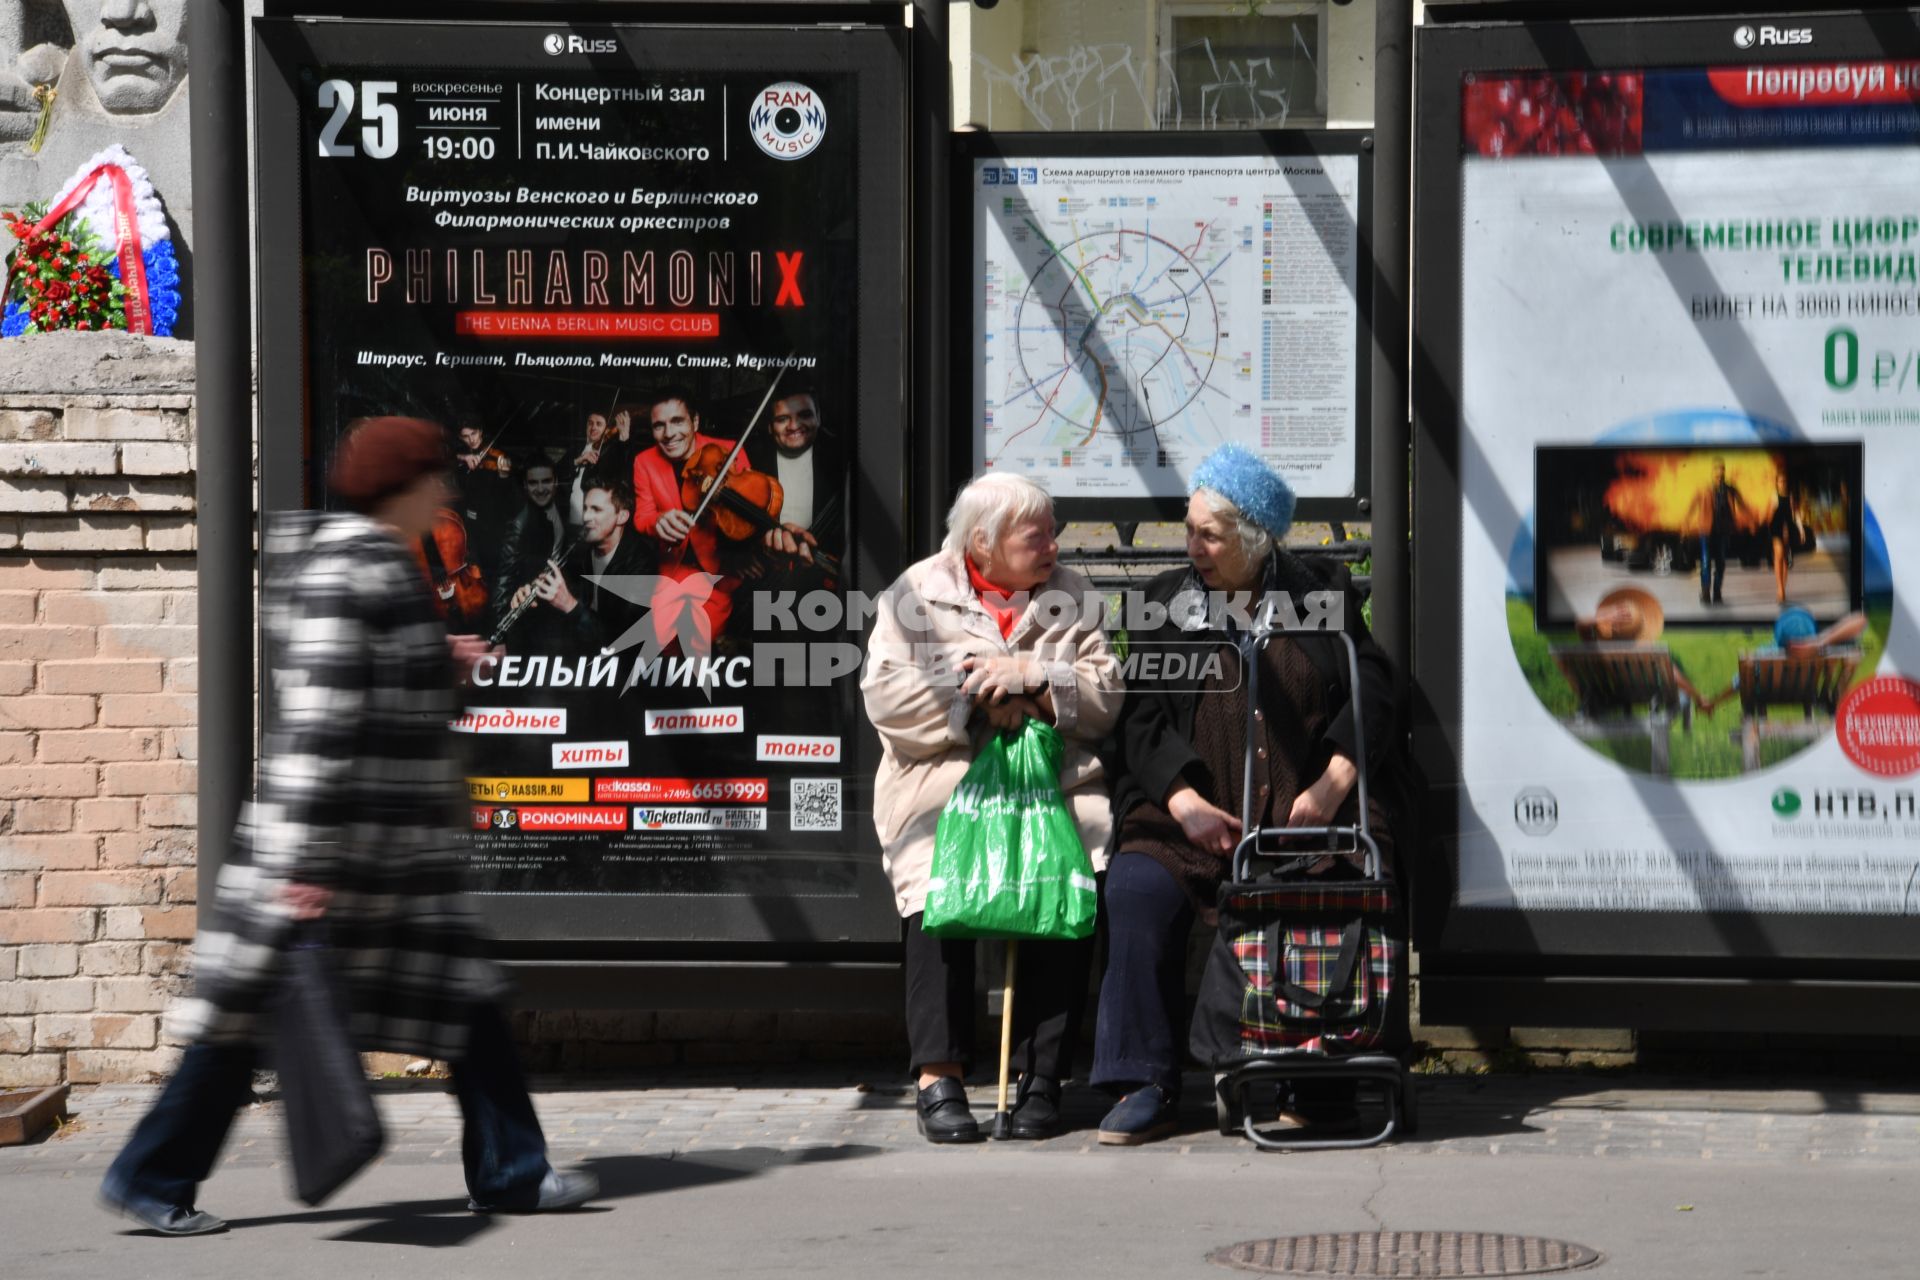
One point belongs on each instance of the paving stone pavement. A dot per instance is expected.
(1611, 1118)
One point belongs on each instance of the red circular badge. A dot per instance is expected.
(1879, 726)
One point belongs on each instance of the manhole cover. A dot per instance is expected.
(1405, 1253)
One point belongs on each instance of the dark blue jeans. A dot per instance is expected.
(1142, 1036)
(1142, 1032)
(174, 1147)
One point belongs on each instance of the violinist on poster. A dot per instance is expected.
(660, 513)
(483, 476)
(709, 509)
(811, 468)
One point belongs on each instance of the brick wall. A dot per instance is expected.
(97, 701)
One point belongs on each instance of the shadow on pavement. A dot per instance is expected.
(447, 1222)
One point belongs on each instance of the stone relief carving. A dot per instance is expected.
(32, 56)
(134, 52)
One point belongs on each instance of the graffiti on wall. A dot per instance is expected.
(1108, 86)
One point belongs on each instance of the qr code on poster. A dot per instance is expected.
(816, 804)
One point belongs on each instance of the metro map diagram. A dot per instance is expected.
(1127, 328)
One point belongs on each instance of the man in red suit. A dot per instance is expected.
(659, 513)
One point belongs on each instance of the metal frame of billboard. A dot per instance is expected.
(1280, 143)
(580, 927)
(1700, 971)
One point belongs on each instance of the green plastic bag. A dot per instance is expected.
(1007, 857)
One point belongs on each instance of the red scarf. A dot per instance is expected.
(997, 601)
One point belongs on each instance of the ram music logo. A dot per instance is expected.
(787, 120)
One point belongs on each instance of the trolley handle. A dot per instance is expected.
(1263, 633)
(1249, 848)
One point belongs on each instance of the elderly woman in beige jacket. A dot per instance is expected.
(977, 638)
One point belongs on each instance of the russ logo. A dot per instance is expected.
(1786, 803)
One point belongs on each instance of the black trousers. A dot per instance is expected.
(1049, 996)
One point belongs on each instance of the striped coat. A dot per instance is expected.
(360, 791)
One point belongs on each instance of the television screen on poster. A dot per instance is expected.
(1718, 536)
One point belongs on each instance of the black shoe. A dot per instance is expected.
(943, 1113)
(1036, 1109)
(1147, 1113)
(157, 1215)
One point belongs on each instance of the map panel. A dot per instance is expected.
(1133, 313)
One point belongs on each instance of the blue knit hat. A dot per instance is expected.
(1249, 484)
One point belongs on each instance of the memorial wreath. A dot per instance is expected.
(98, 256)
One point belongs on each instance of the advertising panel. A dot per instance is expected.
(1680, 665)
(1136, 307)
(631, 272)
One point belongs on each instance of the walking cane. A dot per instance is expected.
(1002, 1119)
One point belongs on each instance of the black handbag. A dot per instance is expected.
(333, 1128)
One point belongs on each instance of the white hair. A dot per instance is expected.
(990, 505)
(1255, 542)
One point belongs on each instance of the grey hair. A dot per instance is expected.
(990, 505)
(1255, 542)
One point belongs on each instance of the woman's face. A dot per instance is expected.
(1213, 544)
(1025, 556)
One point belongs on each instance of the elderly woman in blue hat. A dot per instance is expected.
(1178, 764)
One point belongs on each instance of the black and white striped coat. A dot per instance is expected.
(359, 791)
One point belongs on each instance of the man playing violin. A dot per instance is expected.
(659, 513)
(586, 465)
(811, 470)
(486, 494)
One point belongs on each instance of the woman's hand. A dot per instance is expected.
(1316, 806)
(1210, 828)
(992, 679)
(1010, 713)
(306, 901)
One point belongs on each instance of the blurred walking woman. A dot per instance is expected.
(354, 826)
(1179, 775)
(964, 644)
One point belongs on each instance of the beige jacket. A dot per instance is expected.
(925, 624)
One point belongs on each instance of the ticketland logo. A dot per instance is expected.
(1746, 37)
